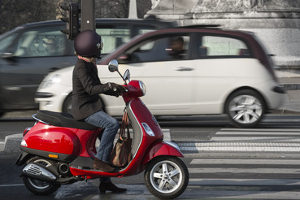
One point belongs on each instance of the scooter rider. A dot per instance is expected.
(87, 105)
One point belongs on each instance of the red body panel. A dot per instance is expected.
(53, 139)
(134, 91)
(87, 141)
(69, 141)
(161, 149)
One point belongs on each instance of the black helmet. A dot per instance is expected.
(88, 44)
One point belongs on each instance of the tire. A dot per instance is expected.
(245, 108)
(176, 173)
(67, 105)
(39, 187)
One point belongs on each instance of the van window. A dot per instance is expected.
(222, 46)
(167, 48)
(6, 41)
(42, 42)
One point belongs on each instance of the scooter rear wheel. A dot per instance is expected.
(40, 187)
(167, 177)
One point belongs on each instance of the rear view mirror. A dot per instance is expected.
(113, 66)
(127, 75)
(8, 56)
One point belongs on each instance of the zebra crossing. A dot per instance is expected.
(245, 164)
(247, 140)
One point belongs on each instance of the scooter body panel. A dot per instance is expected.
(52, 139)
(162, 149)
(58, 143)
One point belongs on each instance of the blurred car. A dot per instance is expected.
(187, 71)
(29, 52)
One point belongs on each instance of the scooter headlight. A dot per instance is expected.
(143, 87)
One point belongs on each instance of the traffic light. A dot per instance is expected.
(71, 17)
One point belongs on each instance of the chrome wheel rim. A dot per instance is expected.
(245, 109)
(40, 185)
(166, 177)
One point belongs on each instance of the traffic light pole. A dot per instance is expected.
(88, 15)
(71, 17)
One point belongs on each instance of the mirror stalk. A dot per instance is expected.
(122, 77)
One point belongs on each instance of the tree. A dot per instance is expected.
(17, 12)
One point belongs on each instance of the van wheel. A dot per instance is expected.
(67, 105)
(245, 108)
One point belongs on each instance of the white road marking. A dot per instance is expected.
(260, 129)
(242, 149)
(167, 135)
(255, 170)
(242, 182)
(284, 133)
(11, 185)
(284, 138)
(248, 194)
(246, 161)
(239, 144)
(246, 140)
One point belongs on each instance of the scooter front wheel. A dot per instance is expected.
(167, 177)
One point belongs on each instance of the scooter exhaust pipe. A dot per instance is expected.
(63, 169)
(35, 171)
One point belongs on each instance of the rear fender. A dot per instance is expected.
(162, 149)
(23, 158)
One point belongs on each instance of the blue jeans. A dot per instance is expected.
(110, 127)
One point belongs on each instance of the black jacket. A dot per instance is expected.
(86, 90)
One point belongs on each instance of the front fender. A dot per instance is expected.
(162, 149)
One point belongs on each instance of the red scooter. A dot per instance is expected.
(60, 150)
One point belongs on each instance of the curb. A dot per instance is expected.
(2, 143)
(12, 143)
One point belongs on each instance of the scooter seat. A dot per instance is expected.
(62, 120)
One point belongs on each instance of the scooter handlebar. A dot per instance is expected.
(134, 89)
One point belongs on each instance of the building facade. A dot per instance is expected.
(275, 22)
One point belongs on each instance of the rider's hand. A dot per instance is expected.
(113, 87)
(121, 89)
(117, 89)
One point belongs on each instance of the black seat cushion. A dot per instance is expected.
(62, 120)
